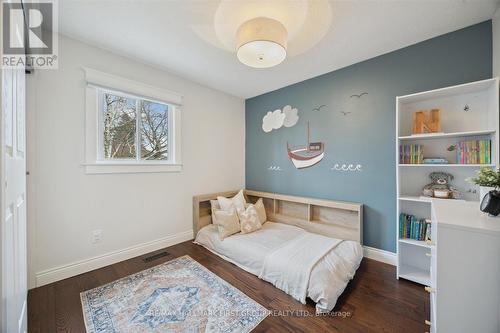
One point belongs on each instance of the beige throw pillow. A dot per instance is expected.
(237, 202)
(227, 223)
(249, 220)
(261, 211)
(214, 206)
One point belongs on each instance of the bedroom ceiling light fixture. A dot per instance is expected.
(262, 42)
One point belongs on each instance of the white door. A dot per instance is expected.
(13, 229)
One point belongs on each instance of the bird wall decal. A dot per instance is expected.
(360, 95)
(345, 113)
(319, 107)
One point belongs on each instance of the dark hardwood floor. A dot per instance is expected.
(374, 300)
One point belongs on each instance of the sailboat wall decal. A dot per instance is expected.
(306, 156)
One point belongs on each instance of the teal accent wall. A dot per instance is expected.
(366, 135)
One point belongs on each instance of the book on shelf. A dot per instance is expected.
(435, 160)
(411, 227)
(411, 154)
(473, 152)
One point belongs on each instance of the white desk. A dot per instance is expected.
(465, 214)
(465, 269)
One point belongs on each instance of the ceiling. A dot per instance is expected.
(176, 35)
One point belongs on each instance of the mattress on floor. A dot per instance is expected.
(328, 278)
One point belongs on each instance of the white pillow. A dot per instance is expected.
(249, 220)
(237, 202)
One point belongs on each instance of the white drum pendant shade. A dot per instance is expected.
(262, 42)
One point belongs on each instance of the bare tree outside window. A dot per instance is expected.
(119, 127)
(154, 131)
(121, 138)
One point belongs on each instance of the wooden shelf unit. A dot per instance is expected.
(337, 219)
(481, 121)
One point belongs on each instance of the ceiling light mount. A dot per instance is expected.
(262, 42)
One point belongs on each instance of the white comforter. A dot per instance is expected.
(328, 278)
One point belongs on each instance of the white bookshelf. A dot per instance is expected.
(454, 165)
(414, 198)
(430, 136)
(481, 121)
(416, 243)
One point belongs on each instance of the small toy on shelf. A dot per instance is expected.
(440, 186)
(427, 121)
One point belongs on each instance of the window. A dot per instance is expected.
(118, 121)
(138, 129)
(132, 128)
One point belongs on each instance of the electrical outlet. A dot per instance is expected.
(96, 236)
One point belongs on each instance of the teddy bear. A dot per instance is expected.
(440, 186)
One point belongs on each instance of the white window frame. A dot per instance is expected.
(99, 83)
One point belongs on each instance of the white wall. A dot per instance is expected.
(496, 43)
(65, 204)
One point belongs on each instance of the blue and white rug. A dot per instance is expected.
(178, 296)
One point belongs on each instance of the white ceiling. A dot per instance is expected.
(162, 33)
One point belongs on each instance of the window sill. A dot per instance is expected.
(108, 168)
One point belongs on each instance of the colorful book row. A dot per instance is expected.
(474, 152)
(413, 228)
(411, 154)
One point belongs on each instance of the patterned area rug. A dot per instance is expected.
(178, 296)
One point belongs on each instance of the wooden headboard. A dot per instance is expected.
(339, 219)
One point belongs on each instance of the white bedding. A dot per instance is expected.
(290, 266)
(328, 277)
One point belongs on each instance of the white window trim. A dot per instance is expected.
(113, 82)
(93, 165)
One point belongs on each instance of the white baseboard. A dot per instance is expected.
(380, 255)
(86, 265)
(82, 266)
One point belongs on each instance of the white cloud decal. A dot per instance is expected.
(276, 119)
(291, 116)
(272, 120)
